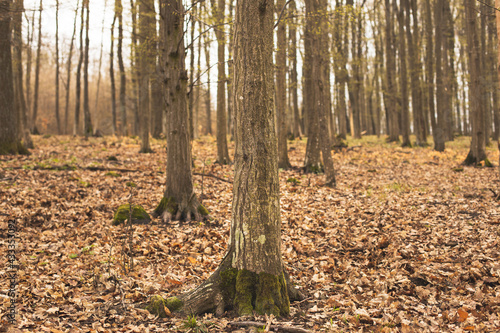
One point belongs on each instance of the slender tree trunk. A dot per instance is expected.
(230, 113)
(58, 118)
(292, 56)
(283, 161)
(179, 200)
(86, 108)
(429, 65)
(147, 35)
(34, 128)
(10, 138)
(477, 152)
(68, 71)
(439, 133)
(191, 71)
(134, 68)
(392, 113)
(29, 56)
(121, 66)
(405, 112)
(208, 98)
(76, 124)
(112, 77)
(97, 112)
(157, 94)
(450, 77)
(222, 151)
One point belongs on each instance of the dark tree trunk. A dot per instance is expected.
(86, 107)
(405, 112)
(121, 66)
(34, 128)
(68, 71)
(293, 82)
(76, 123)
(58, 118)
(112, 77)
(439, 132)
(10, 142)
(392, 112)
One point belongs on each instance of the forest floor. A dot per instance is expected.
(409, 241)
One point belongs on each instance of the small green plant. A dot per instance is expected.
(73, 256)
(113, 174)
(293, 180)
(84, 183)
(112, 158)
(191, 324)
(131, 184)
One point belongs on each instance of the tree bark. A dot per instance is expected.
(439, 132)
(68, 71)
(58, 118)
(218, 13)
(10, 142)
(147, 43)
(87, 122)
(76, 123)
(208, 97)
(405, 112)
(392, 113)
(179, 200)
(477, 152)
(293, 82)
(134, 68)
(121, 66)
(191, 71)
(112, 77)
(283, 161)
(34, 128)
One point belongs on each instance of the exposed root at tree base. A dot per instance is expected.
(231, 289)
(168, 209)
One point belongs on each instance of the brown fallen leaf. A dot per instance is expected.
(462, 315)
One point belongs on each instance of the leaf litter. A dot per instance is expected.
(407, 242)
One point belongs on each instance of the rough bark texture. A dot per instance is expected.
(87, 122)
(391, 93)
(283, 161)
(251, 276)
(10, 142)
(405, 112)
(440, 130)
(179, 200)
(222, 151)
(147, 43)
(429, 65)
(34, 129)
(497, 112)
(477, 152)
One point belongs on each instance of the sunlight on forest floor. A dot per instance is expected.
(407, 242)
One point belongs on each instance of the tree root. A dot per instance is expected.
(168, 209)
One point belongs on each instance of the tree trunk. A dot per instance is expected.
(245, 281)
(208, 102)
(147, 35)
(293, 82)
(439, 132)
(10, 142)
(76, 124)
(477, 152)
(34, 128)
(121, 66)
(58, 118)
(98, 112)
(222, 151)
(283, 161)
(86, 108)
(392, 113)
(179, 200)
(312, 162)
(112, 77)
(20, 102)
(68, 71)
(134, 68)
(191, 71)
(429, 65)
(230, 107)
(405, 113)
(157, 101)
(29, 61)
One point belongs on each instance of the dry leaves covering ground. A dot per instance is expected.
(407, 242)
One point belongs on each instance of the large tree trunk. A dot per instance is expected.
(283, 161)
(87, 122)
(34, 128)
(222, 151)
(251, 275)
(192, 121)
(477, 152)
(429, 65)
(147, 35)
(68, 71)
(10, 142)
(121, 66)
(20, 102)
(179, 200)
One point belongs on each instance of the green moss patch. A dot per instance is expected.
(202, 210)
(158, 304)
(245, 291)
(139, 215)
(166, 204)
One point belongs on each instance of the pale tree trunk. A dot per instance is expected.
(157, 97)
(477, 152)
(134, 68)
(339, 62)
(293, 81)
(97, 112)
(179, 200)
(230, 113)
(485, 77)
(218, 13)
(208, 102)
(10, 142)
(29, 57)
(121, 66)
(58, 118)
(405, 112)
(283, 161)
(492, 33)
(68, 71)
(245, 281)
(112, 77)
(76, 123)
(147, 43)
(87, 122)
(20, 102)
(34, 128)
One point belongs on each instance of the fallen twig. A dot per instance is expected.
(272, 327)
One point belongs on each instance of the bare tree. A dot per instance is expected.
(34, 129)
(58, 118)
(68, 70)
(88, 130)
